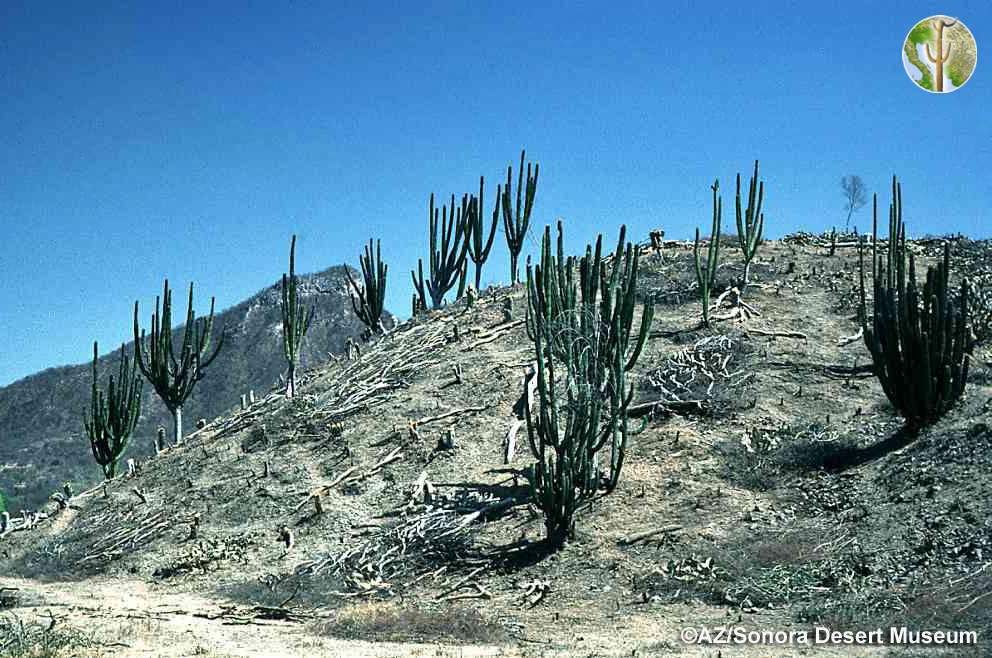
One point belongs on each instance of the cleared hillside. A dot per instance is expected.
(777, 490)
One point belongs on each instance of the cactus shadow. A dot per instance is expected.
(844, 457)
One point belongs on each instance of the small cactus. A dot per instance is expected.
(706, 275)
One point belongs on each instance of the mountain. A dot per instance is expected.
(42, 441)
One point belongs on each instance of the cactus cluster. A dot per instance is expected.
(584, 346)
(919, 340)
(172, 376)
(113, 414)
(706, 272)
(368, 301)
(448, 250)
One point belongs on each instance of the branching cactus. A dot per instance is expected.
(447, 257)
(479, 245)
(175, 377)
(369, 300)
(516, 218)
(750, 223)
(919, 343)
(296, 319)
(706, 274)
(582, 334)
(113, 415)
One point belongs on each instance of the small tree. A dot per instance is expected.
(113, 415)
(174, 378)
(854, 196)
(296, 320)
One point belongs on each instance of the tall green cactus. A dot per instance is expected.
(706, 276)
(920, 347)
(479, 246)
(296, 319)
(447, 259)
(583, 351)
(369, 300)
(750, 224)
(114, 414)
(516, 218)
(174, 378)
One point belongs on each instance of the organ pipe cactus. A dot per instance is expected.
(706, 275)
(296, 319)
(447, 257)
(175, 377)
(919, 343)
(113, 415)
(369, 300)
(582, 333)
(516, 218)
(479, 246)
(750, 224)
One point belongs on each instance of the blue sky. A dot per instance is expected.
(144, 140)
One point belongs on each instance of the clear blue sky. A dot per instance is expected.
(140, 140)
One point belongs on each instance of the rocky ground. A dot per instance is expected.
(779, 494)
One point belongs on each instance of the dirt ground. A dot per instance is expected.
(789, 497)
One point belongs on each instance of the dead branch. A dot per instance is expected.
(449, 414)
(647, 534)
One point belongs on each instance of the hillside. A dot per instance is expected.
(775, 490)
(42, 442)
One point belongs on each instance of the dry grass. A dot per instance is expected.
(20, 639)
(388, 622)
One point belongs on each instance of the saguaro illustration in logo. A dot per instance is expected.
(940, 54)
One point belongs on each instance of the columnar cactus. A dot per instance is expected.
(920, 347)
(368, 300)
(112, 415)
(447, 259)
(296, 319)
(175, 377)
(750, 224)
(479, 246)
(516, 218)
(582, 339)
(706, 275)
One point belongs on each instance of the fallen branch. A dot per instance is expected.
(669, 406)
(449, 414)
(847, 340)
(494, 334)
(641, 536)
(776, 334)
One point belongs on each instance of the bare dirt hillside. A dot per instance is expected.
(776, 491)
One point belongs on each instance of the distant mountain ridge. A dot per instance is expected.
(42, 442)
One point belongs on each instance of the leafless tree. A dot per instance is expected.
(854, 195)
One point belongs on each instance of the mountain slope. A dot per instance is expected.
(725, 513)
(42, 442)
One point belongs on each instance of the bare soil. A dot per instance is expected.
(791, 497)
